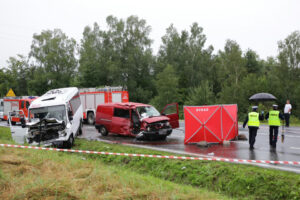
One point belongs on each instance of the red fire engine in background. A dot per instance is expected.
(14, 104)
(92, 97)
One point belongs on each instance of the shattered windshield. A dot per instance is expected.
(147, 111)
(57, 112)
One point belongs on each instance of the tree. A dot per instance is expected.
(185, 52)
(167, 88)
(289, 51)
(95, 56)
(201, 95)
(53, 59)
(232, 69)
(5, 80)
(120, 55)
(18, 74)
(252, 62)
(288, 70)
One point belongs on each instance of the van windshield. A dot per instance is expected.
(147, 111)
(57, 112)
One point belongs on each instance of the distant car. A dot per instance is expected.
(137, 120)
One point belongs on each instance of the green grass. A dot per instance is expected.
(232, 180)
(29, 174)
(32, 174)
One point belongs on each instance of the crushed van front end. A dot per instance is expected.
(47, 132)
(155, 130)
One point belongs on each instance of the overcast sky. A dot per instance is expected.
(255, 24)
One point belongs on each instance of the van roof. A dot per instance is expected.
(131, 105)
(55, 97)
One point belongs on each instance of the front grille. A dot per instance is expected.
(157, 126)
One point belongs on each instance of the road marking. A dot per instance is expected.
(290, 136)
(297, 148)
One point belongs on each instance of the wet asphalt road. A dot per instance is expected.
(287, 151)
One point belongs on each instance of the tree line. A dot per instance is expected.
(185, 69)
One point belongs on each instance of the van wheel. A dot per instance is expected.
(70, 142)
(91, 118)
(103, 131)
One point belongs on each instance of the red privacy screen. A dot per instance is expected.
(213, 124)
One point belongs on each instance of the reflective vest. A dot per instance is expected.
(253, 119)
(274, 118)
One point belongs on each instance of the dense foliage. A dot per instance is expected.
(185, 69)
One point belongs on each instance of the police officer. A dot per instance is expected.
(253, 124)
(274, 117)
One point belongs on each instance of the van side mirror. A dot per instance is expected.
(70, 115)
(23, 123)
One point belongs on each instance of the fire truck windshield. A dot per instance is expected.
(57, 112)
(147, 111)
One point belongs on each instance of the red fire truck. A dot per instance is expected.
(14, 104)
(92, 97)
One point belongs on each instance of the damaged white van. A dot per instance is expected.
(55, 118)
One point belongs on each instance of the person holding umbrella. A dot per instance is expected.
(253, 124)
(273, 117)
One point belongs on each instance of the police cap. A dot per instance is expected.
(254, 107)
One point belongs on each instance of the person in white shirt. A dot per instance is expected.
(287, 113)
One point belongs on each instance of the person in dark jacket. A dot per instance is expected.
(253, 124)
(274, 116)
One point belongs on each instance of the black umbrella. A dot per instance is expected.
(262, 97)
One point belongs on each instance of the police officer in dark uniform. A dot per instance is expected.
(253, 124)
(273, 117)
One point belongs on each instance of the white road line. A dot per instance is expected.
(241, 142)
(297, 148)
(285, 135)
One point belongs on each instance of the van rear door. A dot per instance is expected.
(171, 111)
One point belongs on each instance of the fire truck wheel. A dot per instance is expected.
(103, 131)
(91, 118)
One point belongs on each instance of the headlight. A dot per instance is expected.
(167, 123)
(62, 133)
(148, 128)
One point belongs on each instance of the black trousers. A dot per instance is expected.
(287, 119)
(273, 134)
(252, 135)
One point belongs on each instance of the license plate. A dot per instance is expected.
(162, 132)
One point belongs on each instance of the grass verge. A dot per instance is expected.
(233, 180)
(31, 174)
